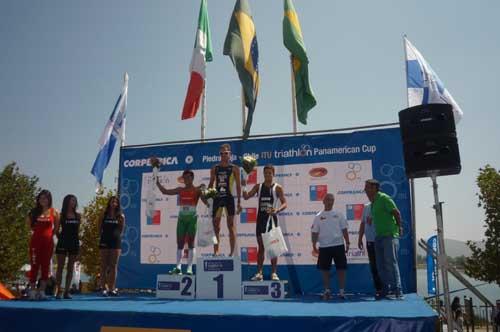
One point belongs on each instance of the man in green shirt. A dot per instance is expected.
(388, 228)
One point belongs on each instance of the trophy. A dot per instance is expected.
(151, 193)
(206, 235)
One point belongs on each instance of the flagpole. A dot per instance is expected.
(203, 111)
(441, 256)
(412, 181)
(294, 99)
(125, 91)
(243, 112)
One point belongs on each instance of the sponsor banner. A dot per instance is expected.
(306, 167)
(432, 243)
(304, 202)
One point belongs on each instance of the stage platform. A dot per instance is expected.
(146, 313)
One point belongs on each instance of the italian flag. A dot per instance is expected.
(202, 54)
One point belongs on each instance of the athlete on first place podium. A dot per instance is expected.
(223, 175)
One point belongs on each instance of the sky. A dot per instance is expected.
(62, 64)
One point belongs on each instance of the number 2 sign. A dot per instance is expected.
(175, 286)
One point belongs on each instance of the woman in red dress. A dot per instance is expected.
(43, 219)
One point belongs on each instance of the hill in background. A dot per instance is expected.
(454, 248)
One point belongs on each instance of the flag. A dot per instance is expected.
(292, 38)
(202, 54)
(241, 46)
(424, 86)
(114, 130)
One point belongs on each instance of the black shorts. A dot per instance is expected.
(110, 243)
(337, 253)
(221, 202)
(67, 251)
(261, 224)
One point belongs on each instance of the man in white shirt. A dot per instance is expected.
(330, 229)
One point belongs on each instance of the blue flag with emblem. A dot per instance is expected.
(424, 86)
(114, 130)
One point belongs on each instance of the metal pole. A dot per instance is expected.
(487, 317)
(243, 112)
(203, 112)
(413, 229)
(125, 95)
(442, 259)
(438, 291)
(294, 99)
(472, 320)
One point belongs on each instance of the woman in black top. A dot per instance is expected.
(68, 244)
(111, 228)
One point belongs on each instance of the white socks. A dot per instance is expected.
(191, 254)
(190, 258)
(179, 256)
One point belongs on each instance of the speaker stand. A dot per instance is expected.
(442, 258)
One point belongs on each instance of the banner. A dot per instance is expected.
(307, 167)
(431, 266)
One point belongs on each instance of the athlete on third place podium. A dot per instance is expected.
(268, 194)
(222, 175)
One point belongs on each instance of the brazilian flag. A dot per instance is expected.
(292, 38)
(241, 46)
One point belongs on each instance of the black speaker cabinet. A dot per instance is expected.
(429, 140)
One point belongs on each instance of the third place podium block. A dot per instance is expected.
(263, 290)
(218, 278)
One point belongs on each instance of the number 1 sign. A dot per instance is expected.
(218, 278)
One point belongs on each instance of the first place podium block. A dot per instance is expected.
(218, 278)
(175, 286)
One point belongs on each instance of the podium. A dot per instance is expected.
(218, 278)
(175, 286)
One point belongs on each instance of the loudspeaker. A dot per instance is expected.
(429, 140)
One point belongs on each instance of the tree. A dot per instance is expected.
(89, 251)
(484, 263)
(17, 198)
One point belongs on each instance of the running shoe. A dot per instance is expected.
(104, 293)
(327, 294)
(274, 277)
(114, 292)
(257, 277)
(189, 271)
(67, 296)
(32, 295)
(175, 271)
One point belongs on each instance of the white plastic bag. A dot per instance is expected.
(274, 242)
(206, 235)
